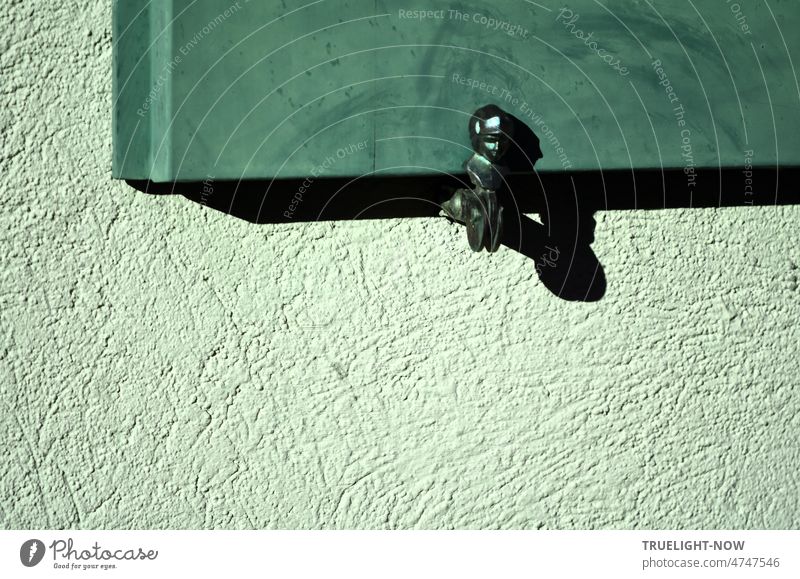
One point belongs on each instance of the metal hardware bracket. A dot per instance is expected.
(491, 131)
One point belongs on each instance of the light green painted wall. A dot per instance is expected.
(163, 365)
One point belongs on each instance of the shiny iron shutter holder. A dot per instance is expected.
(491, 131)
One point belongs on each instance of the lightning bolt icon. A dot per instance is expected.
(34, 548)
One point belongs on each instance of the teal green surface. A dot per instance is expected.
(255, 90)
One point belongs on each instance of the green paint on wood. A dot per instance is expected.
(261, 90)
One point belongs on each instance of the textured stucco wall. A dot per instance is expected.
(163, 365)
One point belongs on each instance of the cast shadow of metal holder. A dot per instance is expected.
(500, 187)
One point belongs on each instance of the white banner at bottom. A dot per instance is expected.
(400, 554)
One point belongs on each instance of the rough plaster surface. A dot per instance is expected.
(163, 365)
